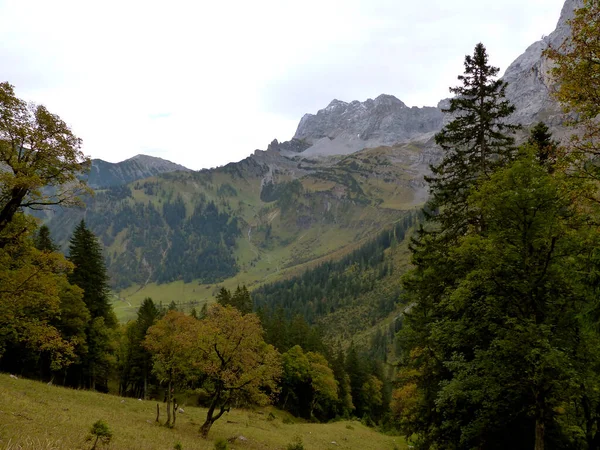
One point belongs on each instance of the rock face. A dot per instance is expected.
(529, 80)
(104, 174)
(344, 128)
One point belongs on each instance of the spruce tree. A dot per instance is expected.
(43, 240)
(224, 297)
(90, 273)
(475, 143)
(546, 148)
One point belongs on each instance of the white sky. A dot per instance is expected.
(203, 83)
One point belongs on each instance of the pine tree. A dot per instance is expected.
(43, 240)
(90, 273)
(547, 148)
(136, 364)
(224, 297)
(476, 142)
(241, 300)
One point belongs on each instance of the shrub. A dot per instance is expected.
(102, 433)
(296, 444)
(221, 444)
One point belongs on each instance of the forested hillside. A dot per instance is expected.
(252, 220)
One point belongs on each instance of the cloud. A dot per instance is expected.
(206, 83)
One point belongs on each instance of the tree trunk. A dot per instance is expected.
(169, 405)
(205, 428)
(210, 418)
(10, 209)
(157, 412)
(145, 386)
(175, 405)
(539, 434)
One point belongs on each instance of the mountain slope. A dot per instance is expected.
(104, 174)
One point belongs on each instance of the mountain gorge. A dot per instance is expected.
(350, 171)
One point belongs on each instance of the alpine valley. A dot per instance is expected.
(342, 193)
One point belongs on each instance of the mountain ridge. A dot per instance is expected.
(105, 174)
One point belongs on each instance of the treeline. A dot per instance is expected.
(335, 285)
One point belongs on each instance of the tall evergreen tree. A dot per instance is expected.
(90, 275)
(136, 363)
(476, 142)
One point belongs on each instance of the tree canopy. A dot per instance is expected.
(40, 159)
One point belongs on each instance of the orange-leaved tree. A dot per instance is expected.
(170, 342)
(235, 362)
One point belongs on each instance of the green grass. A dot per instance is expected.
(36, 416)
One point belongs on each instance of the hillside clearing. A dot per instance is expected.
(34, 415)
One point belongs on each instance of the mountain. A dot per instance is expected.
(350, 171)
(529, 80)
(104, 174)
(343, 128)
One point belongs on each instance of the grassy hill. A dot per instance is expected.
(36, 416)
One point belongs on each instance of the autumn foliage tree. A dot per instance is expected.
(224, 353)
(234, 361)
(40, 159)
(31, 285)
(170, 343)
(577, 73)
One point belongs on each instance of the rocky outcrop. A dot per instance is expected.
(529, 80)
(105, 174)
(344, 128)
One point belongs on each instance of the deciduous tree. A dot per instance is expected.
(40, 159)
(234, 360)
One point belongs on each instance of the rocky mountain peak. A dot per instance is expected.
(343, 128)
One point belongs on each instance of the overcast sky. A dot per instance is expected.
(203, 83)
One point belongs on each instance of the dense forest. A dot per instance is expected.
(336, 285)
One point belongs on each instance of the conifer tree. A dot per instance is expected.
(90, 275)
(476, 142)
(224, 297)
(540, 138)
(43, 240)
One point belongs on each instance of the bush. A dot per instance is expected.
(296, 444)
(221, 444)
(102, 433)
(178, 446)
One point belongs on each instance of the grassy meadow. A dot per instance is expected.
(34, 415)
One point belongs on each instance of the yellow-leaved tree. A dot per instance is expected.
(225, 352)
(577, 73)
(40, 159)
(235, 362)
